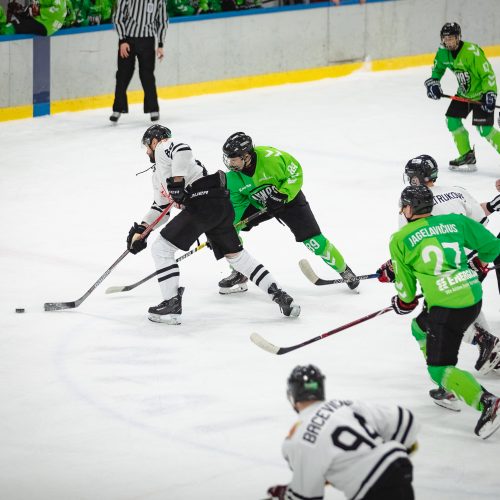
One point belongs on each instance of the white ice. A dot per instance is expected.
(100, 403)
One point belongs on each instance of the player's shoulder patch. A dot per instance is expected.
(291, 432)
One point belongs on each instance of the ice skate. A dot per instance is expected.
(155, 116)
(347, 274)
(285, 302)
(464, 163)
(489, 421)
(234, 283)
(115, 116)
(489, 351)
(446, 399)
(169, 311)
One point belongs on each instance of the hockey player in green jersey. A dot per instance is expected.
(476, 81)
(265, 177)
(430, 250)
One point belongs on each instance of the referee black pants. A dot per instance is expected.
(144, 50)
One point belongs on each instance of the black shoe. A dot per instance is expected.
(467, 161)
(445, 399)
(489, 421)
(234, 283)
(285, 302)
(489, 347)
(353, 281)
(169, 311)
(155, 116)
(115, 116)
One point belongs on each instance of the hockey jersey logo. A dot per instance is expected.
(463, 78)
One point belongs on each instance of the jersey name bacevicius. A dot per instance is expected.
(432, 251)
(473, 71)
(275, 171)
(350, 444)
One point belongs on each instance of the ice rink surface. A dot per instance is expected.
(100, 403)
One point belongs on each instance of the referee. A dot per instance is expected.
(137, 23)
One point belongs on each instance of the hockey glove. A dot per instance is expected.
(488, 102)
(134, 242)
(386, 272)
(401, 307)
(176, 190)
(276, 201)
(278, 491)
(480, 267)
(434, 90)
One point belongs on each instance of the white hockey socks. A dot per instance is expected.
(168, 271)
(245, 264)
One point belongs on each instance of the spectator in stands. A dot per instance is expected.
(137, 23)
(3, 20)
(42, 17)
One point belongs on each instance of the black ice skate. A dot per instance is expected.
(287, 307)
(489, 350)
(464, 163)
(234, 283)
(445, 399)
(169, 311)
(115, 116)
(489, 421)
(347, 274)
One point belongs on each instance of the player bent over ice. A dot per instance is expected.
(359, 448)
(430, 249)
(206, 208)
(263, 176)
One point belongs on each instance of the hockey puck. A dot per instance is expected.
(19, 309)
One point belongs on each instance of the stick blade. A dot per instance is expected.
(58, 306)
(264, 344)
(115, 289)
(306, 268)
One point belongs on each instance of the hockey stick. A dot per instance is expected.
(127, 288)
(267, 346)
(59, 306)
(464, 99)
(309, 273)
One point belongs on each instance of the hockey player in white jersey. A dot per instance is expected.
(423, 170)
(358, 448)
(178, 177)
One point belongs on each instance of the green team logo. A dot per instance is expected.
(463, 78)
(262, 193)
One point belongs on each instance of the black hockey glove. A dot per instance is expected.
(176, 190)
(401, 307)
(276, 201)
(278, 491)
(480, 267)
(488, 102)
(434, 90)
(134, 243)
(386, 272)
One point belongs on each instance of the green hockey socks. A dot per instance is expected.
(320, 246)
(491, 135)
(460, 382)
(460, 135)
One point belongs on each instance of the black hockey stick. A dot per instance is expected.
(309, 273)
(59, 306)
(267, 346)
(464, 99)
(126, 288)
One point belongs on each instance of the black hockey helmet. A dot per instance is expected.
(451, 29)
(419, 198)
(305, 383)
(421, 169)
(158, 132)
(236, 146)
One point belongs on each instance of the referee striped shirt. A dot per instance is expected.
(141, 19)
(494, 204)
